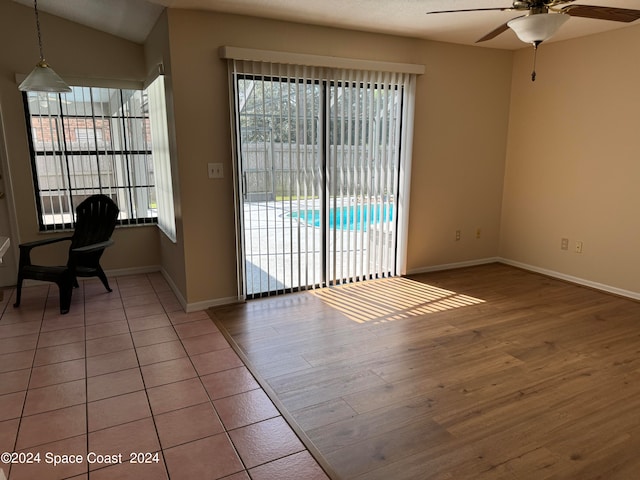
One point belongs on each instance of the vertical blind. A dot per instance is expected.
(161, 157)
(322, 167)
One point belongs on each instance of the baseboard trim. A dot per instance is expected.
(532, 268)
(174, 288)
(195, 306)
(205, 304)
(119, 272)
(451, 266)
(570, 278)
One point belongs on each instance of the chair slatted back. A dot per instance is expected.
(96, 219)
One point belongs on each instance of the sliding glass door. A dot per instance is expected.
(281, 181)
(318, 162)
(362, 178)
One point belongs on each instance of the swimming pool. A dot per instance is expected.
(353, 217)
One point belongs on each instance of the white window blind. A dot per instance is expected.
(161, 157)
(323, 157)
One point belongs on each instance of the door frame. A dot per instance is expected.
(399, 252)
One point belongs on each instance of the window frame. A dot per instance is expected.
(65, 151)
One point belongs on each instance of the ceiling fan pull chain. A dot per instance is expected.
(535, 55)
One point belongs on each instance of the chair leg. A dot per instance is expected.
(18, 291)
(66, 290)
(103, 278)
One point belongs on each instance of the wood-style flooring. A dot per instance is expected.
(488, 372)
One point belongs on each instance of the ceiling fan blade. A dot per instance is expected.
(496, 9)
(602, 13)
(494, 33)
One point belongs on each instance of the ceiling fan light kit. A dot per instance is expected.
(43, 78)
(545, 17)
(537, 28)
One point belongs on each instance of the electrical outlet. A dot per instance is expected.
(457, 235)
(564, 244)
(578, 247)
(215, 170)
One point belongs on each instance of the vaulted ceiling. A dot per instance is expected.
(133, 19)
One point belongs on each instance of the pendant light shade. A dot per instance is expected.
(42, 78)
(538, 27)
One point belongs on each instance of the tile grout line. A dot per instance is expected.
(306, 441)
(24, 400)
(211, 402)
(86, 375)
(175, 328)
(146, 391)
(33, 360)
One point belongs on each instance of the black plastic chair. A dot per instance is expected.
(95, 221)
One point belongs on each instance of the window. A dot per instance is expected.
(91, 140)
(88, 136)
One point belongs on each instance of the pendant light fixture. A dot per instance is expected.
(42, 78)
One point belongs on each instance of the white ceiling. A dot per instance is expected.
(133, 19)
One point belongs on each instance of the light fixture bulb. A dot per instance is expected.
(537, 28)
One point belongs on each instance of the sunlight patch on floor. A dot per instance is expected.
(391, 299)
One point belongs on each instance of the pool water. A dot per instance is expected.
(354, 217)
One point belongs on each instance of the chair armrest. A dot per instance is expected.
(25, 249)
(93, 247)
(38, 243)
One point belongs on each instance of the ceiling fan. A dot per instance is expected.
(543, 18)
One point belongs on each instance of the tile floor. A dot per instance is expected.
(128, 376)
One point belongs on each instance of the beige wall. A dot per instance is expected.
(569, 140)
(73, 50)
(462, 110)
(459, 149)
(573, 159)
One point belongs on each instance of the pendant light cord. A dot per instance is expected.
(42, 78)
(35, 8)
